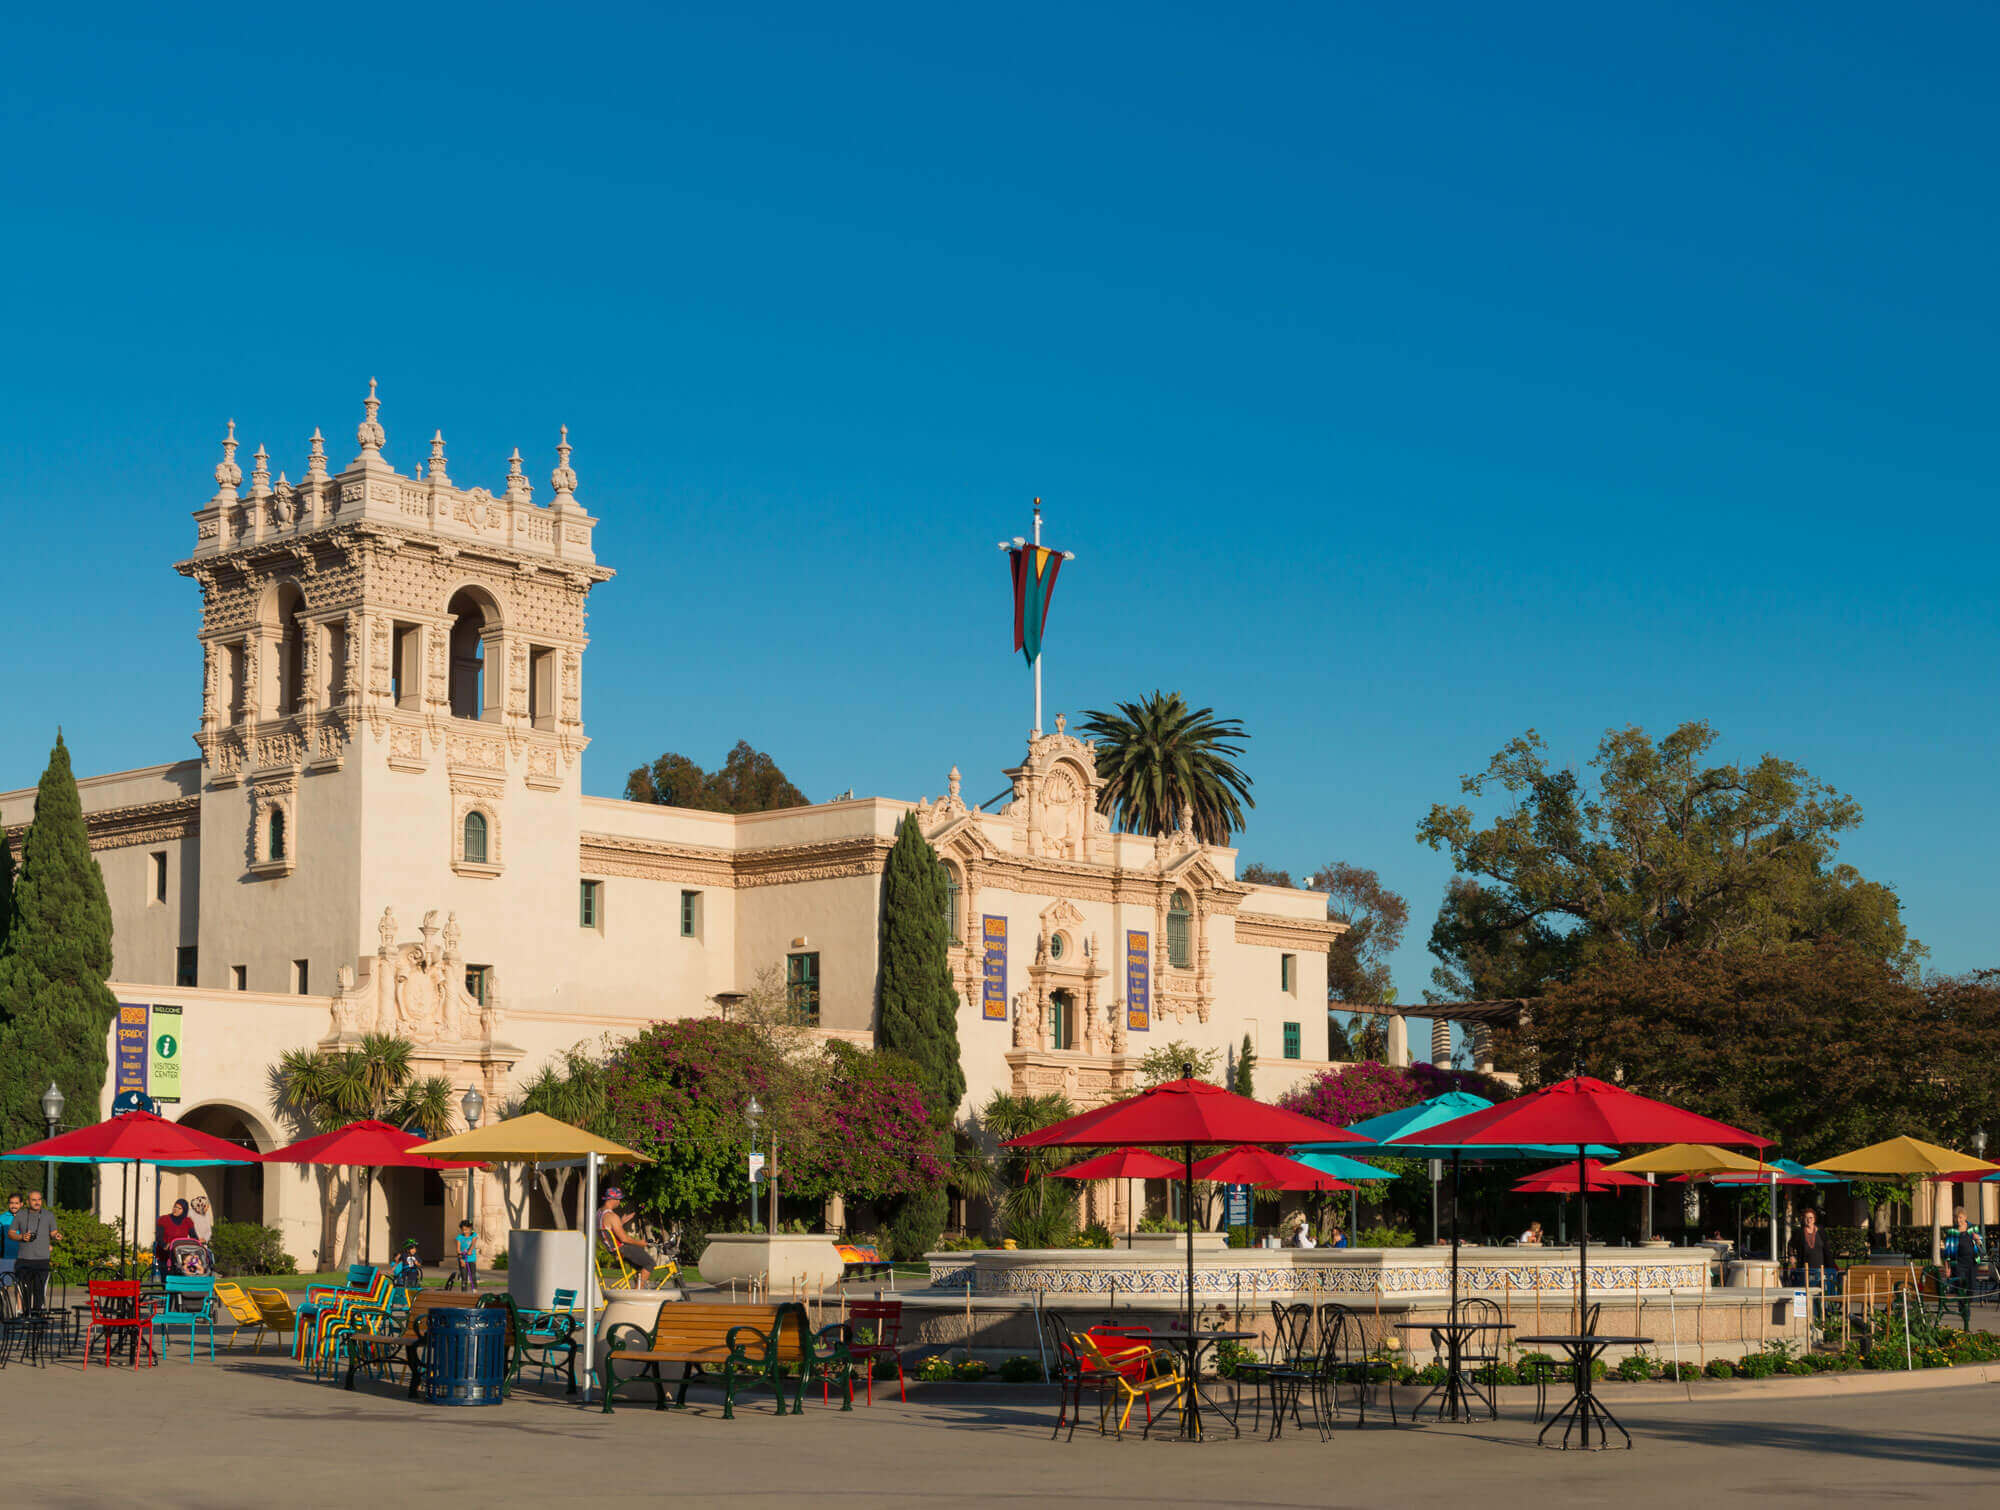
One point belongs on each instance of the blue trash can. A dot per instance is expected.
(465, 1355)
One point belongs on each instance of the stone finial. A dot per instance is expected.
(282, 508)
(953, 779)
(370, 432)
(227, 473)
(437, 458)
(1062, 725)
(316, 457)
(519, 490)
(260, 474)
(562, 479)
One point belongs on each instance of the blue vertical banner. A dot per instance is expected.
(1138, 981)
(132, 1037)
(993, 995)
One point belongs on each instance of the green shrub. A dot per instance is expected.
(1721, 1368)
(1679, 1371)
(1799, 1366)
(935, 1368)
(1230, 1358)
(1636, 1367)
(499, 1262)
(971, 1371)
(1430, 1373)
(1021, 1369)
(1504, 1373)
(1385, 1237)
(89, 1246)
(884, 1367)
(247, 1248)
(1096, 1235)
(1757, 1366)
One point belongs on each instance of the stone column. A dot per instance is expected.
(1399, 1040)
(1441, 1042)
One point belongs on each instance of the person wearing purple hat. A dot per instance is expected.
(611, 1232)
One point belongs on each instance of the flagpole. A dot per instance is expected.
(1038, 653)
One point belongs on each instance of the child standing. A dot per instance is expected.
(468, 1257)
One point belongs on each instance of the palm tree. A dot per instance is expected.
(1034, 1213)
(1158, 756)
(322, 1093)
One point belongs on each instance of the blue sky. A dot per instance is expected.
(1403, 377)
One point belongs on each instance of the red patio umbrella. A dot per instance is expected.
(1186, 1112)
(1122, 1164)
(1582, 1110)
(1259, 1166)
(367, 1144)
(133, 1138)
(1562, 1180)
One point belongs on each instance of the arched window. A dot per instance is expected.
(475, 838)
(277, 833)
(473, 695)
(1062, 1020)
(952, 920)
(1180, 932)
(291, 652)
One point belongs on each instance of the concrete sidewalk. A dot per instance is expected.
(257, 1431)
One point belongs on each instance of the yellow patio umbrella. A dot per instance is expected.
(1700, 1159)
(1689, 1158)
(536, 1138)
(1908, 1156)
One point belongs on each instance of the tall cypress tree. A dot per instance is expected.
(918, 1012)
(6, 891)
(55, 1010)
(919, 1008)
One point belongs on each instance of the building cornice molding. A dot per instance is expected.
(141, 823)
(1294, 933)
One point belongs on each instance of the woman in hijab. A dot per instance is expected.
(170, 1229)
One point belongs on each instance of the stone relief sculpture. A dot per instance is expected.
(1023, 1038)
(415, 990)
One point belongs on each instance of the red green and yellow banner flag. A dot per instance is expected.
(1035, 568)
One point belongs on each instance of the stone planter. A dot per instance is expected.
(784, 1261)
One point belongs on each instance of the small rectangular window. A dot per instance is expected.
(1288, 973)
(478, 980)
(239, 690)
(541, 687)
(184, 966)
(158, 862)
(1291, 1040)
(300, 976)
(586, 904)
(407, 670)
(691, 915)
(239, 977)
(333, 692)
(802, 986)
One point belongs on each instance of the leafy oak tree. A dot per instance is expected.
(748, 782)
(1666, 853)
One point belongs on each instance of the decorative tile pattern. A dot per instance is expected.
(1276, 1280)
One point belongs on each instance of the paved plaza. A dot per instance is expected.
(257, 1432)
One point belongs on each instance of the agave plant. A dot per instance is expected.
(1160, 758)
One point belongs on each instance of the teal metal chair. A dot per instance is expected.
(190, 1303)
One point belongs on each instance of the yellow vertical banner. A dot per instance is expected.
(993, 992)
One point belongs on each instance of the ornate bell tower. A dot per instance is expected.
(391, 701)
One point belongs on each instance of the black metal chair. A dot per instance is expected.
(1560, 1370)
(1290, 1350)
(1350, 1358)
(1069, 1373)
(1482, 1348)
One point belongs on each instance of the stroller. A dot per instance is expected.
(189, 1257)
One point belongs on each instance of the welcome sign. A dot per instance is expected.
(166, 1072)
(993, 993)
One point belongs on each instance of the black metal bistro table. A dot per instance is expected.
(1455, 1394)
(1192, 1347)
(1584, 1409)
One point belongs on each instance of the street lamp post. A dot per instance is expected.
(1979, 1152)
(753, 1115)
(52, 1110)
(472, 1105)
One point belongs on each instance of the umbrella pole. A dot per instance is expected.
(1190, 1410)
(1582, 1253)
(589, 1287)
(1454, 1235)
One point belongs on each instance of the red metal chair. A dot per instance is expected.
(118, 1309)
(885, 1318)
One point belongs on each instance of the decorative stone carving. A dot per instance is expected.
(1024, 1030)
(369, 432)
(416, 990)
(1118, 1026)
(227, 473)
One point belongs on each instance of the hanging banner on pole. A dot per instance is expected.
(993, 991)
(132, 1039)
(165, 1080)
(1034, 570)
(1138, 981)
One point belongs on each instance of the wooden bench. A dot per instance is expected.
(745, 1344)
(379, 1349)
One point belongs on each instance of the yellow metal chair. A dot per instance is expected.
(614, 1273)
(1137, 1369)
(242, 1310)
(274, 1308)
